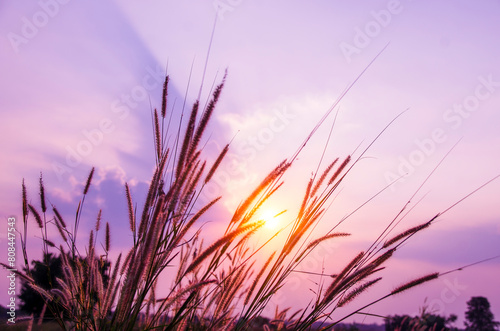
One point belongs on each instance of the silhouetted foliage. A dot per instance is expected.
(429, 321)
(346, 327)
(397, 322)
(426, 321)
(479, 316)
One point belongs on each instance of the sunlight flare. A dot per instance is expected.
(271, 219)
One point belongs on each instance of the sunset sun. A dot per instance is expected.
(271, 219)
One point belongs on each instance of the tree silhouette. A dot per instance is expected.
(44, 273)
(426, 321)
(479, 316)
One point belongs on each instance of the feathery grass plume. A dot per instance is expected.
(194, 180)
(183, 258)
(91, 245)
(217, 163)
(186, 186)
(64, 286)
(108, 237)
(329, 236)
(149, 250)
(41, 291)
(310, 209)
(234, 286)
(61, 295)
(98, 221)
(194, 176)
(259, 203)
(25, 201)
(42, 195)
(111, 284)
(131, 215)
(357, 291)
(294, 314)
(329, 292)
(280, 169)
(69, 274)
(188, 136)
(174, 193)
(193, 287)
(157, 135)
(58, 216)
(240, 252)
(146, 252)
(89, 180)
(61, 230)
(227, 238)
(340, 169)
(193, 219)
(145, 212)
(153, 188)
(112, 298)
(37, 216)
(384, 257)
(150, 302)
(279, 318)
(164, 97)
(306, 198)
(227, 287)
(257, 278)
(406, 233)
(415, 282)
(323, 176)
(99, 285)
(128, 258)
(301, 229)
(26, 278)
(352, 279)
(49, 243)
(205, 117)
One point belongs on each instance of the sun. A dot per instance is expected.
(270, 218)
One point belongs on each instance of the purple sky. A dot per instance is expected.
(76, 80)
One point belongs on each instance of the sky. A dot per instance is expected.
(79, 80)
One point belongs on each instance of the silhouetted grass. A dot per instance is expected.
(217, 286)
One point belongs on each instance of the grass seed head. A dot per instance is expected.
(164, 97)
(25, 200)
(340, 169)
(108, 237)
(42, 195)
(415, 282)
(36, 215)
(89, 180)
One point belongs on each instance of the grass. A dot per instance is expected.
(222, 285)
